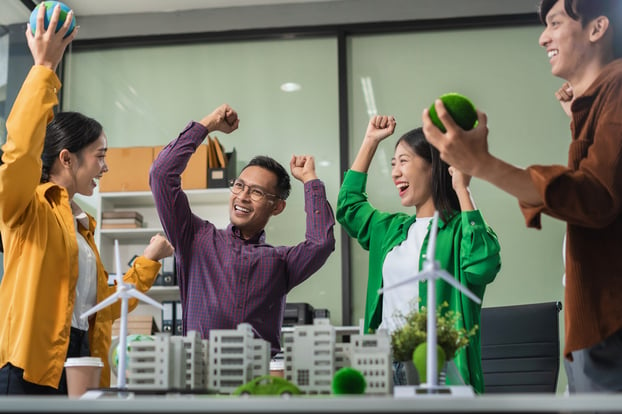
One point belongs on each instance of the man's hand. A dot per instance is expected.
(303, 168)
(379, 128)
(223, 119)
(47, 46)
(467, 151)
(565, 96)
(159, 248)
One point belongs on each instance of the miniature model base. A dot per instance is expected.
(418, 391)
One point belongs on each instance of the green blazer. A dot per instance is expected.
(465, 246)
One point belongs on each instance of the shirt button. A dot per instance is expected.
(316, 211)
(472, 223)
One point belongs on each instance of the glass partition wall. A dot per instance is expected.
(287, 93)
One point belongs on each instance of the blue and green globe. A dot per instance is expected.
(49, 9)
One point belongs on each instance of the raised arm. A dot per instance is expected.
(31, 112)
(165, 176)
(307, 257)
(379, 128)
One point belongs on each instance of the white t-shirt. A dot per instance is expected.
(86, 288)
(400, 263)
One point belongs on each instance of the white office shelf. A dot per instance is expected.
(131, 235)
(211, 204)
(128, 199)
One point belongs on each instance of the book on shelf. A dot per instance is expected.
(133, 224)
(114, 215)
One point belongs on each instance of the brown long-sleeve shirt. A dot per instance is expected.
(588, 196)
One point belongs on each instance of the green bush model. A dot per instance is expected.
(349, 381)
(267, 385)
(460, 108)
(450, 338)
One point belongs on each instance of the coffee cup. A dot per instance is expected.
(82, 373)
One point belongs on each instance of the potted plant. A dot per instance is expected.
(451, 338)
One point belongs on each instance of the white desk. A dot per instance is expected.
(527, 403)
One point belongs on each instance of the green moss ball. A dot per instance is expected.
(459, 107)
(349, 381)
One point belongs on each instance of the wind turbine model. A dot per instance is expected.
(124, 292)
(431, 272)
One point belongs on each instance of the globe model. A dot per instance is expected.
(49, 9)
(459, 107)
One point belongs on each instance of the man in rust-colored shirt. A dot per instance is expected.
(583, 41)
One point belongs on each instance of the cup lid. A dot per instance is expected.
(84, 361)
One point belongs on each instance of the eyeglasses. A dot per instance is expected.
(257, 194)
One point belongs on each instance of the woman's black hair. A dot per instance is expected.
(68, 130)
(283, 185)
(443, 195)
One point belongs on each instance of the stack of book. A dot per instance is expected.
(121, 220)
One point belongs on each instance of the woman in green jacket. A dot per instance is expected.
(465, 246)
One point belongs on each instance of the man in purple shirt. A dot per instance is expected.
(228, 276)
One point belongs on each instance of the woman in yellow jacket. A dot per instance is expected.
(53, 271)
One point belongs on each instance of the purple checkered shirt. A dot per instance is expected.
(223, 279)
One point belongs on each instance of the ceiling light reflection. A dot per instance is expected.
(290, 87)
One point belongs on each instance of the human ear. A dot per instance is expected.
(598, 28)
(65, 158)
(278, 207)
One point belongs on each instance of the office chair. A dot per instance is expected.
(520, 348)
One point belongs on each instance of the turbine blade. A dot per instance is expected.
(101, 305)
(416, 278)
(447, 277)
(141, 296)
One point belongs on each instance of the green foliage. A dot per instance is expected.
(451, 336)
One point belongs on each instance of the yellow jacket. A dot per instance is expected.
(37, 292)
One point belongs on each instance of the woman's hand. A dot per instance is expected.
(159, 248)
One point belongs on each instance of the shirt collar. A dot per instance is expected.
(258, 238)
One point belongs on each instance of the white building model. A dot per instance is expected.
(313, 355)
(232, 357)
(371, 355)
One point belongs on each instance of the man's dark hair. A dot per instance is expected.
(585, 11)
(283, 185)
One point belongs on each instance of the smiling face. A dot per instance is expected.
(90, 165)
(248, 215)
(412, 176)
(567, 44)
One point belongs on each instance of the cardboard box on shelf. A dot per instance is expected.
(136, 324)
(128, 169)
(194, 176)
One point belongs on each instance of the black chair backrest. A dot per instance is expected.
(520, 348)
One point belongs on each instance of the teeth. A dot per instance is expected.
(552, 53)
(402, 186)
(242, 209)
